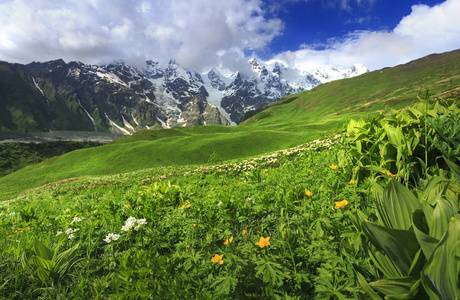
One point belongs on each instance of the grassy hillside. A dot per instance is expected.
(292, 121)
(338, 100)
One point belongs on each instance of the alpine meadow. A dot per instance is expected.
(349, 190)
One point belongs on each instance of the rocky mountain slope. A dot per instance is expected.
(120, 98)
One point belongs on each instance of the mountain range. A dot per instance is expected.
(56, 96)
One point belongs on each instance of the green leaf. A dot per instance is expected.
(399, 203)
(401, 246)
(397, 288)
(442, 214)
(454, 168)
(369, 291)
(42, 251)
(441, 273)
(420, 227)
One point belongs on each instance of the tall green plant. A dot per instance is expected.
(414, 243)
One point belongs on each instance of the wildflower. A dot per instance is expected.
(128, 206)
(244, 232)
(194, 225)
(308, 193)
(140, 222)
(353, 181)
(218, 259)
(188, 205)
(129, 224)
(59, 233)
(111, 237)
(182, 207)
(228, 241)
(220, 202)
(71, 236)
(341, 204)
(263, 242)
(333, 167)
(76, 219)
(70, 230)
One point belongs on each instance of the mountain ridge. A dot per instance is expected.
(121, 98)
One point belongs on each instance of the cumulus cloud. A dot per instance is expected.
(103, 30)
(426, 30)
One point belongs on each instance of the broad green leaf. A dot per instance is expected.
(420, 227)
(384, 263)
(442, 214)
(401, 246)
(435, 188)
(399, 204)
(42, 251)
(454, 168)
(370, 292)
(441, 273)
(397, 288)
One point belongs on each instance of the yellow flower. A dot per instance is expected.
(128, 206)
(228, 241)
(263, 242)
(244, 232)
(221, 262)
(194, 225)
(182, 207)
(353, 181)
(188, 205)
(333, 167)
(218, 259)
(308, 193)
(341, 204)
(311, 172)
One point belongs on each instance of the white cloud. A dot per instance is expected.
(426, 30)
(104, 30)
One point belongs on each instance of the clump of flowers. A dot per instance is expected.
(111, 237)
(263, 242)
(131, 222)
(68, 232)
(308, 193)
(76, 219)
(341, 204)
(353, 181)
(388, 173)
(228, 241)
(218, 259)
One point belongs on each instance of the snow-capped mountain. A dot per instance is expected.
(122, 98)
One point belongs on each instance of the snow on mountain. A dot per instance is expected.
(123, 98)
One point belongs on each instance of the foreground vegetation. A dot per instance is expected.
(373, 213)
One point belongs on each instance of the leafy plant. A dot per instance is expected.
(49, 266)
(413, 241)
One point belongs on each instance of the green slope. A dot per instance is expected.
(338, 100)
(294, 120)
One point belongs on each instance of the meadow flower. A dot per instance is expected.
(333, 167)
(111, 237)
(263, 242)
(59, 233)
(129, 224)
(228, 241)
(128, 206)
(353, 181)
(341, 204)
(76, 219)
(194, 225)
(71, 236)
(308, 193)
(218, 259)
(244, 232)
(182, 207)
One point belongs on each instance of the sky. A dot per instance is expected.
(201, 34)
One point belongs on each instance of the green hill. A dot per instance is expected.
(294, 120)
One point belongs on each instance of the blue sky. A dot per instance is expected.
(315, 22)
(200, 34)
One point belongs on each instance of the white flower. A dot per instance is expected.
(131, 222)
(59, 233)
(111, 237)
(142, 221)
(70, 230)
(76, 219)
(220, 202)
(71, 236)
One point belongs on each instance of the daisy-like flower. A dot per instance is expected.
(129, 224)
(71, 236)
(111, 237)
(228, 241)
(341, 204)
(218, 259)
(308, 193)
(333, 167)
(263, 242)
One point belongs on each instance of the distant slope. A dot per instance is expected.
(290, 122)
(354, 97)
